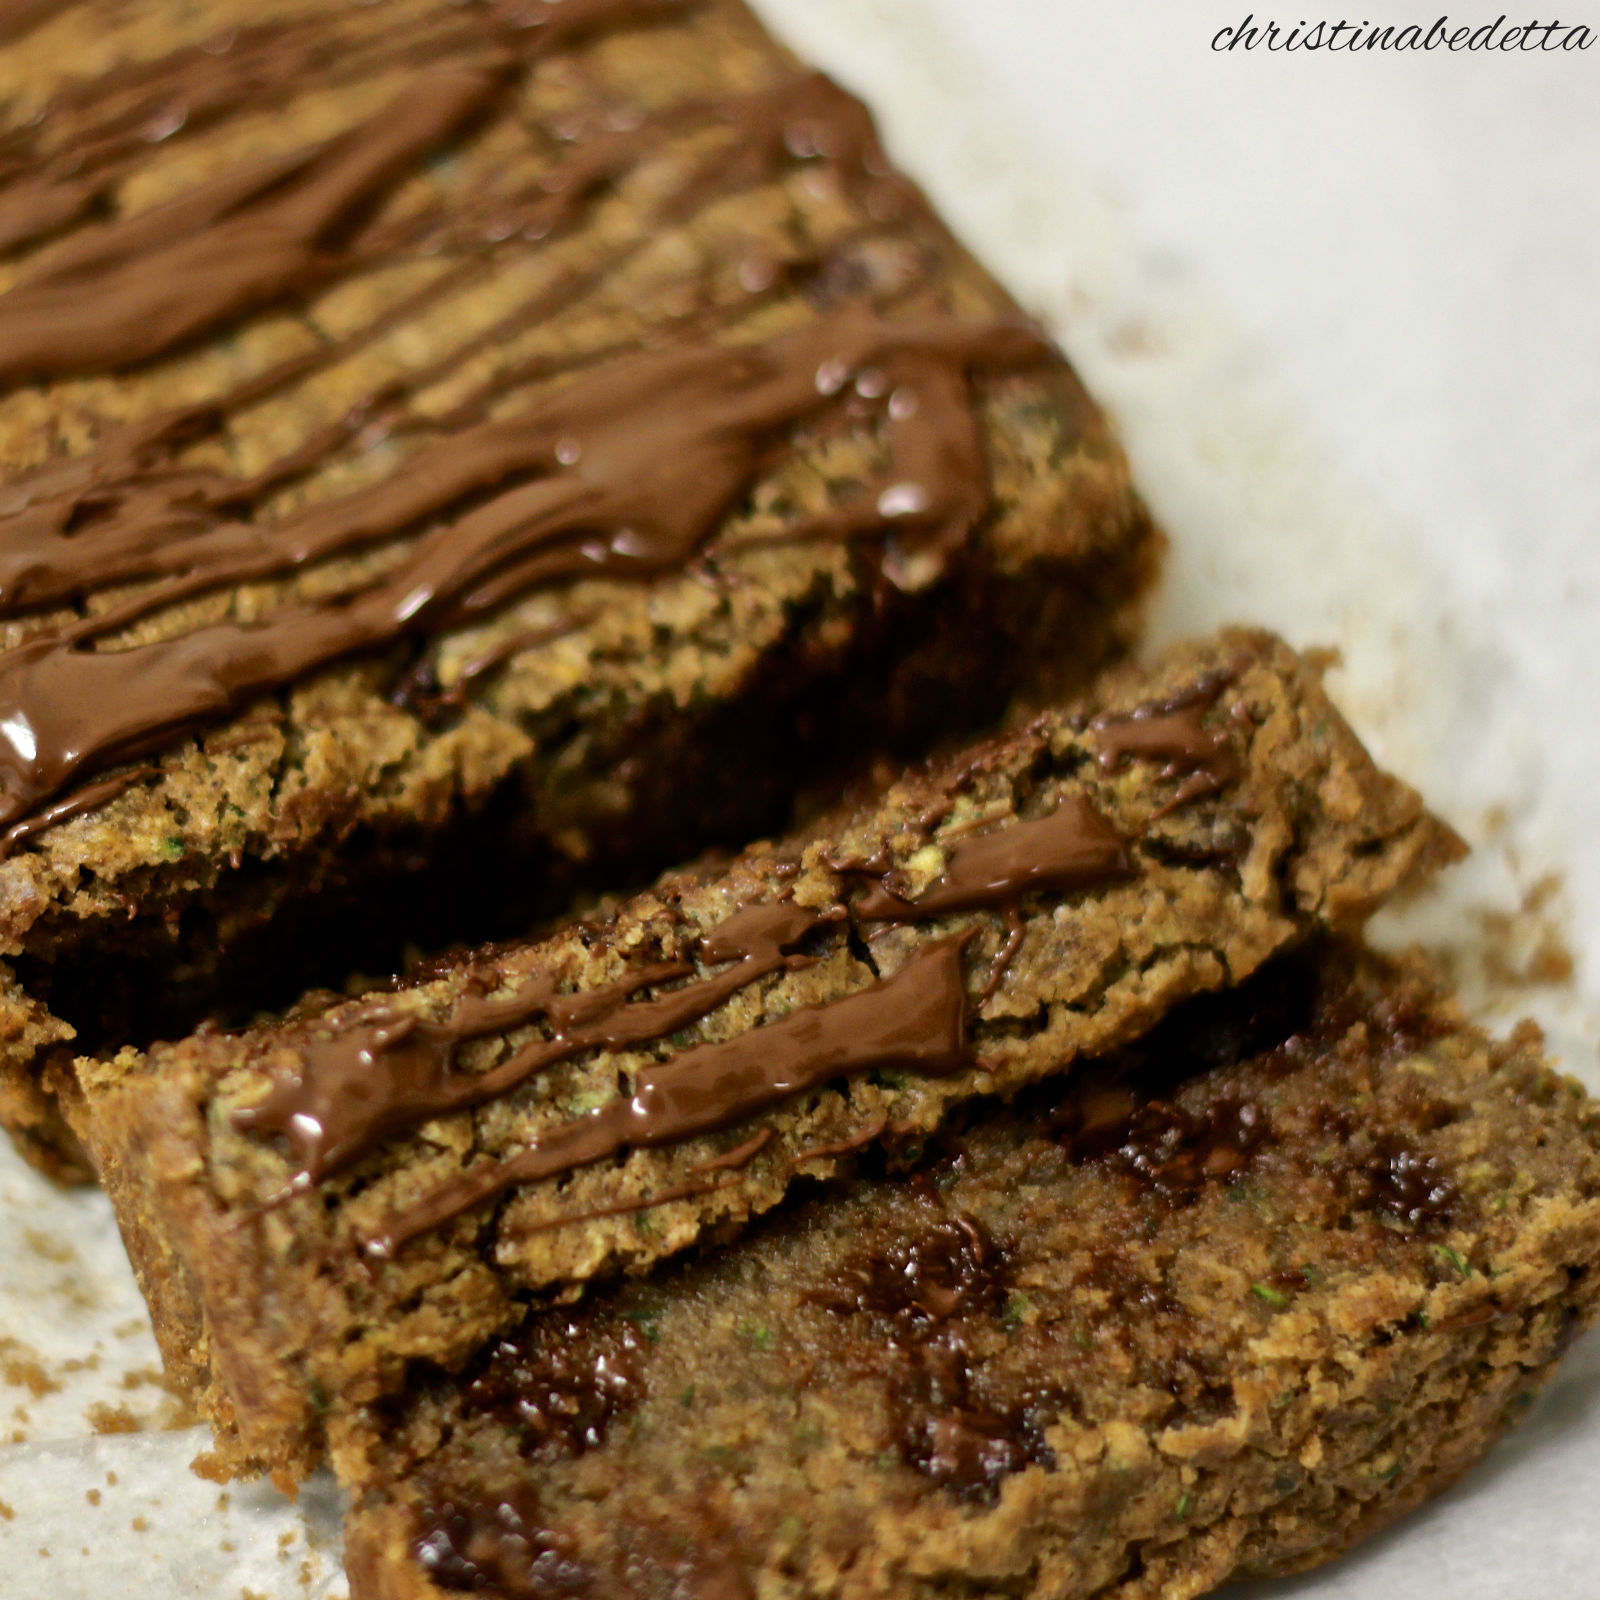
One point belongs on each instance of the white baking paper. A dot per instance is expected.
(1342, 309)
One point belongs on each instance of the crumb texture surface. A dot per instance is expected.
(1225, 1305)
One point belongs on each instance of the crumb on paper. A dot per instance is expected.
(128, 1329)
(208, 1465)
(1526, 948)
(111, 1478)
(1519, 949)
(79, 1292)
(105, 1418)
(6, 1513)
(139, 1525)
(1134, 336)
(49, 1246)
(21, 1367)
(93, 1497)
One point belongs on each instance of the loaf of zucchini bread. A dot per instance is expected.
(432, 440)
(1218, 1306)
(315, 1205)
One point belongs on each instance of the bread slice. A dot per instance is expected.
(312, 1206)
(431, 437)
(1218, 1307)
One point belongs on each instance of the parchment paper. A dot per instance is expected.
(1342, 308)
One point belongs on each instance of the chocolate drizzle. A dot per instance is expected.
(1173, 732)
(385, 1073)
(135, 288)
(659, 448)
(1072, 848)
(914, 1020)
(88, 798)
(18, 18)
(388, 1073)
(68, 159)
(626, 469)
(625, 473)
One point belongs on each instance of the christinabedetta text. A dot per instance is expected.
(1441, 35)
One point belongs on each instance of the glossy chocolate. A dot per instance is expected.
(914, 1020)
(1072, 848)
(627, 472)
(381, 1075)
(498, 1549)
(1173, 731)
(926, 1294)
(659, 448)
(557, 1382)
(1173, 1151)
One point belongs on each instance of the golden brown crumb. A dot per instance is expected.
(105, 1418)
(21, 1367)
(48, 1246)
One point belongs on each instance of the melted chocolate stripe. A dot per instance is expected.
(125, 513)
(88, 798)
(136, 288)
(232, 249)
(134, 110)
(915, 1020)
(666, 445)
(386, 1075)
(162, 521)
(1173, 732)
(1071, 848)
(20, 17)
